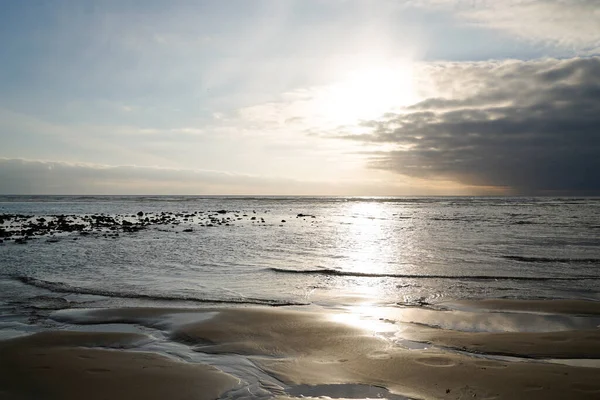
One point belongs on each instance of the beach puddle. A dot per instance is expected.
(160, 318)
(506, 321)
(579, 362)
(343, 391)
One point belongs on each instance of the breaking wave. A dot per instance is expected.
(335, 272)
(553, 259)
(61, 287)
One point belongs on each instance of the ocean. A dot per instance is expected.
(299, 250)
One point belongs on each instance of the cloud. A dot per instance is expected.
(46, 177)
(20, 176)
(573, 24)
(530, 126)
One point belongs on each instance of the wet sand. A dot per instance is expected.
(573, 307)
(565, 344)
(77, 365)
(313, 350)
(309, 353)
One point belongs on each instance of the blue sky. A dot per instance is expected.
(293, 97)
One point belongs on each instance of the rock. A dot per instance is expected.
(283, 220)
(140, 214)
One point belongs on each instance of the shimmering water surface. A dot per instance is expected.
(340, 252)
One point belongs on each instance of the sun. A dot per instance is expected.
(368, 93)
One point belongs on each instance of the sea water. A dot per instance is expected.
(327, 252)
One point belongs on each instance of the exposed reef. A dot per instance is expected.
(20, 228)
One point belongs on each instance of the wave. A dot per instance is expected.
(553, 259)
(335, 272)
(61, 287)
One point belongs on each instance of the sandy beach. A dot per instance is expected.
(307, 352)
(74, 365)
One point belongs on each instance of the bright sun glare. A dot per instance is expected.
(369, 93)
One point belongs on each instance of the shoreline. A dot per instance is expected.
(293, 352)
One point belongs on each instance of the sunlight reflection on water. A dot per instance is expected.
(410, 251)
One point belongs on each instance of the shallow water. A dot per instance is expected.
(379, 250)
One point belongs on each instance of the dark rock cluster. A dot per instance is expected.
(20, 228)
(305, 216)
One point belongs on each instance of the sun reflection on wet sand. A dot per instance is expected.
(367, 317)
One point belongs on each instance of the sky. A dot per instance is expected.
(300, 97)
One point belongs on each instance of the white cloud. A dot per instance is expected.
(572, 24)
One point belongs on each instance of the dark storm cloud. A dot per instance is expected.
(530, 126)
